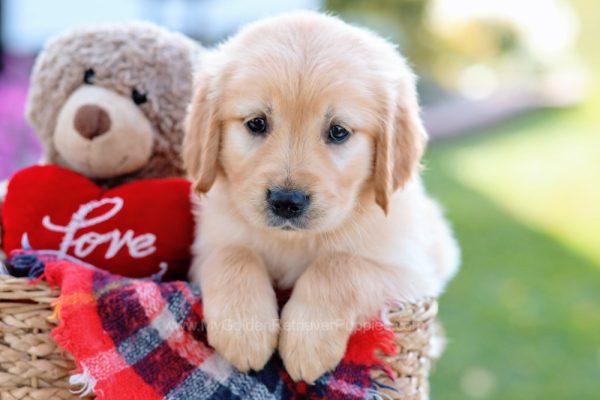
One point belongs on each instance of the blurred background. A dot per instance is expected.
(511, 98)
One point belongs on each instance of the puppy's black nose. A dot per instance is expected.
(287, 203)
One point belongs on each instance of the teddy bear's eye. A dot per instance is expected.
(138, 97)
(89, 76)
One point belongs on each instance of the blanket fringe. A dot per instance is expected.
(85, 380)
(3, 269)
(373, 394)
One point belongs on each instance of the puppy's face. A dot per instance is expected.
(301, 124)
(295, 156)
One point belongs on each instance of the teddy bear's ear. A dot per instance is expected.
(202, 138)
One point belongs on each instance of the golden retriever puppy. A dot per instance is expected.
(304, 137)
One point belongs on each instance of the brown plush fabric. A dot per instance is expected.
(91, 121)
(125, 57)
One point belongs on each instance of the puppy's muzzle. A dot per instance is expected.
(287, 203)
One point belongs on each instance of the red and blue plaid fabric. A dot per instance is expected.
(141, 339)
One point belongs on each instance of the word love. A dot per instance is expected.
(138, 246)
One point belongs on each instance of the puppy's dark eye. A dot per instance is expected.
(257, 126)
(89, 76)
(337, 134)
(138, 97)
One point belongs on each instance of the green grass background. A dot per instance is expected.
(523, 315)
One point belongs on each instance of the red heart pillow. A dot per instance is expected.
(128, 230)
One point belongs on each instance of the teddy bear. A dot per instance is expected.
(107, 103)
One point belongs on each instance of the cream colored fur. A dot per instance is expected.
(372, 235)
(125, 148)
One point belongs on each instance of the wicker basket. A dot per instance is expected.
(33, 367)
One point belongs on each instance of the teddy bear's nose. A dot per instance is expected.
(91, 121)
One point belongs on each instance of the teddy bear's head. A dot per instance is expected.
(109, 101)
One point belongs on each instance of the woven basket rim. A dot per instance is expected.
(26, 306)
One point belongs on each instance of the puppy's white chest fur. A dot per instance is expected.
(286, 257)
(286, 264)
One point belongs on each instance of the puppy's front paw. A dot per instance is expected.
(311, 342)
(245, 336)
(240, 307)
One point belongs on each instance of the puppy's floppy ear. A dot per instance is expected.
(400, 145)
(202, 138)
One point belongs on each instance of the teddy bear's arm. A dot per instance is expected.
(3, 188)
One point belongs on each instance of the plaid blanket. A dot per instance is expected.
(141, 339)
